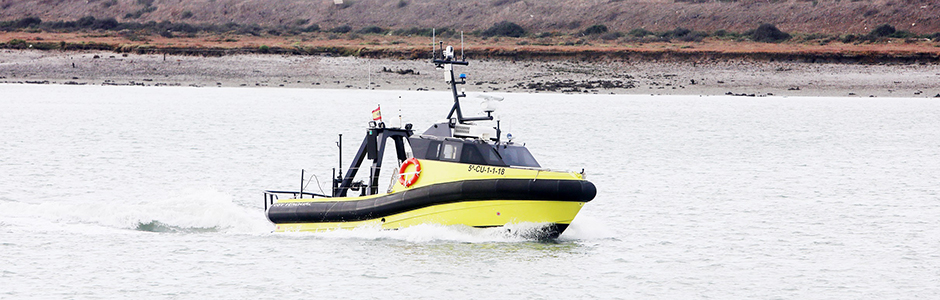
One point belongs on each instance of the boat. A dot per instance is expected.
(457, 172)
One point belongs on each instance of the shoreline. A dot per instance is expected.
(742, 77)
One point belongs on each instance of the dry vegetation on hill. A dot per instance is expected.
(803, 16)
(905, 31)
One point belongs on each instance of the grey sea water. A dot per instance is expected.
(142, 192)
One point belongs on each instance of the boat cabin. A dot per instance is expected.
(470, 151)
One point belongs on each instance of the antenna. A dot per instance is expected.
(339, 145)
(433, 43)
(461, 47)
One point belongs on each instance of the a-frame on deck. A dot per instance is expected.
(372, 148)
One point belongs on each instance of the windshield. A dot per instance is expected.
(517, 156)
(455, 150)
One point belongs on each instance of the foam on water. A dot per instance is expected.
(204, 210)
(432, 233)
(586, 227)
(209, 210)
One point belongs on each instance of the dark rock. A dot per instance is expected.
(569, 85)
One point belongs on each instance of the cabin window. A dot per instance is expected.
(425, 148)
(471, 155)
(450, 151)
(492, 158)
(481, 154)
(433, 149)
(467, 152)
(517, 156)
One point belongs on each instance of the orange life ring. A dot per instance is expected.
(402, 176)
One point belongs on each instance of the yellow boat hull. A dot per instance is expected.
(476, 214)
(447, 193)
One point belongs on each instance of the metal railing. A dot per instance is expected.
(271, 196)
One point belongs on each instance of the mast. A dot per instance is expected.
(447, 62)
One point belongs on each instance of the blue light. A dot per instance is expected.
(463, 76)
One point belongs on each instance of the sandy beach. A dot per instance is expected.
(716, 77)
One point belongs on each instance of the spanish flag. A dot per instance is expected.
(377, 113)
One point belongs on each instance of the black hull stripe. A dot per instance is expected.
(442, 193)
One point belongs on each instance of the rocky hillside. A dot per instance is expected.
(803, 16)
